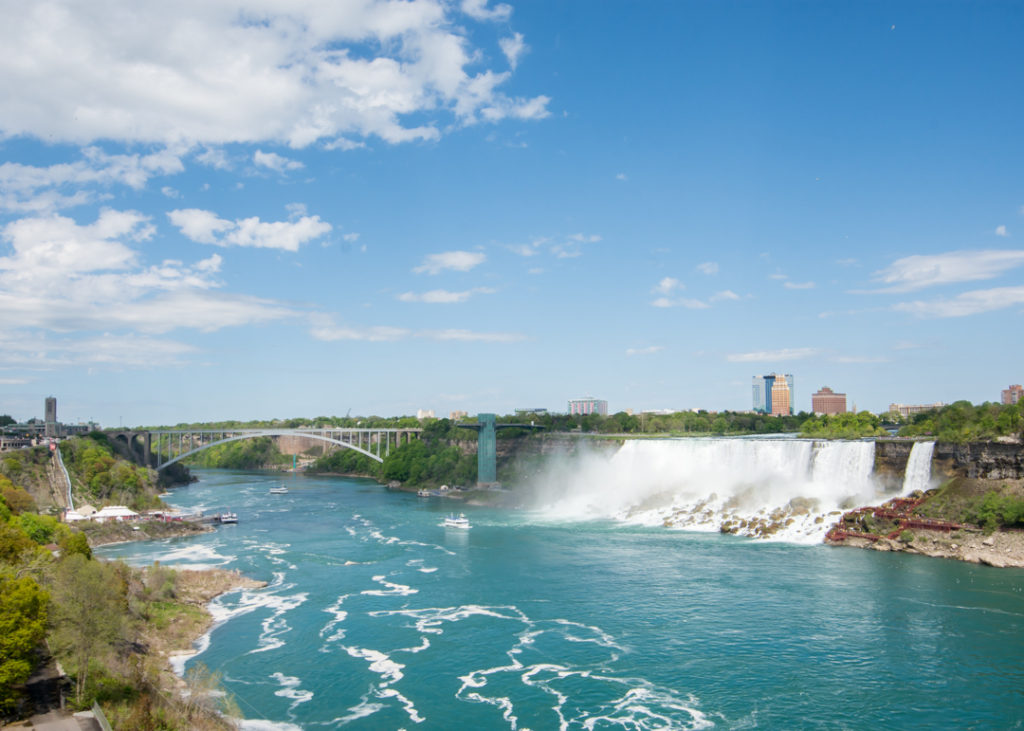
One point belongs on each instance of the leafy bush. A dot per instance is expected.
(962, 421)
(996, 511)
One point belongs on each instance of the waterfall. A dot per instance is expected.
(789, 489)
(918, 472)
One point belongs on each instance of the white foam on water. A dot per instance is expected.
(192, 556)
(427, 569)
(380, 663)
(429, 620)
(256, 724)
(391, 589)
(276, 625)
(779, 489)
(414, 715)
(179, 659)
(290, 689)
(362, 710)
(339, 615)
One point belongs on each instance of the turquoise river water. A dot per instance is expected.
(377, 617)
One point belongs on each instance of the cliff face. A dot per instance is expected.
(891, 457)
(977, 460)
(984, 460)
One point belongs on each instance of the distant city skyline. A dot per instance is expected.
(475, 206)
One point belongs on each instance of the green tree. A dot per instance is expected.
(39, 528)
(16, 498)
(74, 542)
(13, 543)
(87, 614)
(23, 606)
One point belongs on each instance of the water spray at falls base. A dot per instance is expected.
(783, 489)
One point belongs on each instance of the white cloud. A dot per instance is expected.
(668, 285)
(530, 249)
(26, 188)
(275, 162)
(234, 72)
(205, 227)
(1001, 231)
(64, 277)
(170, 192)
(649, 350)
(929, 270)
(572, 246)
(38, 352)
(459, 261)
(725, 294)
(468, 336)
(323, 328)
(690, 304)
(798, 285)
(859, 359)
(778, 276)
(708, 267)
(847, 262)
(478, 10)
(513, 47)
(621, 176)
(214, 157)
(967, 303)
(906, 345)
(198, 225)
(767, 356)
(442, 296)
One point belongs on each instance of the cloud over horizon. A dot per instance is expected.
(227, 72)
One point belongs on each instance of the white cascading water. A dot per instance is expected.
(918, 473)
(784, 489)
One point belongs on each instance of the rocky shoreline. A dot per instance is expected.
(1001, 549)
(105, 534)
(171, 645)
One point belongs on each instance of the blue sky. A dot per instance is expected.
(226, 210)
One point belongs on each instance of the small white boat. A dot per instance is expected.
(282, 490)
(228, 517)
(423, 493)
(460, 522)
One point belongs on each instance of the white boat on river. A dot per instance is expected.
(456, 522)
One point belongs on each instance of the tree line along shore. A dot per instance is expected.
(112, 627)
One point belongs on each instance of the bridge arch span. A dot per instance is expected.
(270, 433)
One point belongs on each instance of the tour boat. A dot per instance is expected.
(282, 490)
(460, 522)
(228, 517)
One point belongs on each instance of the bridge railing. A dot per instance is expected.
(172, 445)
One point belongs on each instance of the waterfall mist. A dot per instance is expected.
(787, 489)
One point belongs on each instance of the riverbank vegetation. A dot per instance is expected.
(108, 624)
(963, 421)
(977, 502)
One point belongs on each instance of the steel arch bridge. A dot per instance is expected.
(164, 447)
